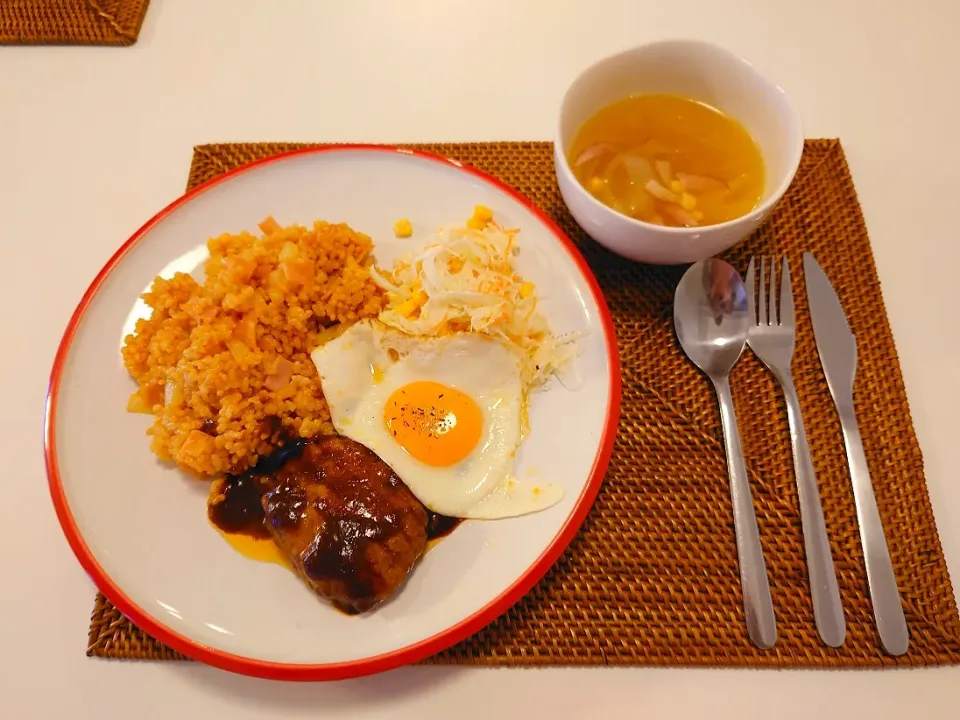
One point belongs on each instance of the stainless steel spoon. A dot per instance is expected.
(711, 320)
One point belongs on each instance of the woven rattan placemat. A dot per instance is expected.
(652, 577)
(71, 22)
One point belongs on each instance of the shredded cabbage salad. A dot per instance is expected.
(462, 280)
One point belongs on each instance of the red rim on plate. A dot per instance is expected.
(386, 661)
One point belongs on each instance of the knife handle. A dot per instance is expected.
(757, 603)
(827, 607)
(887, 610)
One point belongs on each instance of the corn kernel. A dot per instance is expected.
(676, 186)
(526, 290)
(697, 215)
(688, 201)
(403, 228)
(482, 212)
(475, 223)
(406, 308)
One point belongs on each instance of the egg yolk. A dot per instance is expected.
(436, 424)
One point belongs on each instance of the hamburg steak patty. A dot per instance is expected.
(350, 526)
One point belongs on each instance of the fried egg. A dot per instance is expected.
(443, 412)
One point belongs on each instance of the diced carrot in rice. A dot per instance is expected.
(298, 271)
(268, 225)
(137, 404)
(197, 444)
(240, 269)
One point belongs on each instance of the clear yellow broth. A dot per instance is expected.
(706, 161)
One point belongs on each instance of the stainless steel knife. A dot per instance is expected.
(838, 355)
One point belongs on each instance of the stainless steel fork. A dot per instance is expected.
(772, 338)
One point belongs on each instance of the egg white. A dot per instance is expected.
(359, 375)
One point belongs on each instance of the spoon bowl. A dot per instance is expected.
(710, 316)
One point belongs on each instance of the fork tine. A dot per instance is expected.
(772, 295)
(762, 292)
(751, 294)
(786, 295)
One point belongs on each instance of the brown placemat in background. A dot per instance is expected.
(71, 22)
(652, 578)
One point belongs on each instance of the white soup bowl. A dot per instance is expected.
(702, 72)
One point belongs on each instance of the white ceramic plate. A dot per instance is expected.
(139, 527)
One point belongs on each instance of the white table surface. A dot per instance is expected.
(95, 140)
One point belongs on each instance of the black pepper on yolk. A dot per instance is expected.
(436, 424)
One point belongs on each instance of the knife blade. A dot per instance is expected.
(837, 348)
(836, 344)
